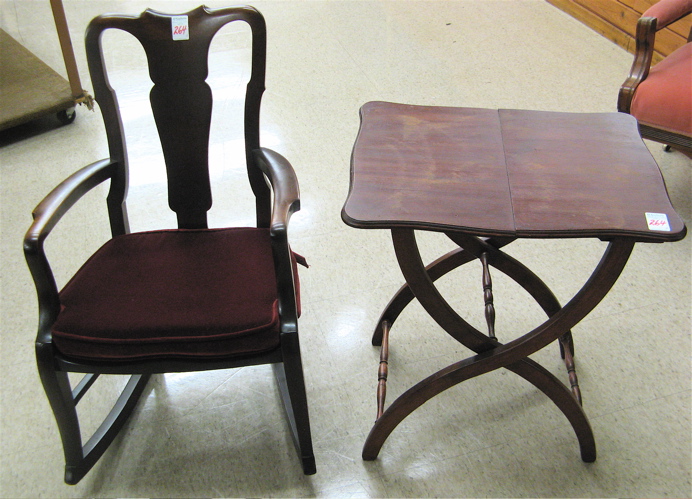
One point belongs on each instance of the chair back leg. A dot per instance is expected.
(289, 376)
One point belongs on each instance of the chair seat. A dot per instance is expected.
(172, 294)
(664, 98)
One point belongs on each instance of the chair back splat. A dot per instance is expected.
(181, 102)
(171, 300)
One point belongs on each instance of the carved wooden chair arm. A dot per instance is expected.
(46, 215)
(657, 17)
(284, 184)
(644, 51)
(286, 201)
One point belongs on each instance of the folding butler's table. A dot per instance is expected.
(486, 178)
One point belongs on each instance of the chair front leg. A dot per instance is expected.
(59, 392)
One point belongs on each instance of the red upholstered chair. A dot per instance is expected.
(660, 97)
(185, 299)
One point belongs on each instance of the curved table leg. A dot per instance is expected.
(443, 265)
(531, 283)
(437, 269)
(563, 398)
(534, 285)
(491, 354)
(513, 269)
(423, 288)
(470, 368)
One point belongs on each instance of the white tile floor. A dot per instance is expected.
(222, 433)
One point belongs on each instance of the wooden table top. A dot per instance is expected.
(507, 173)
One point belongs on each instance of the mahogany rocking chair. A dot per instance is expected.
(185, 299)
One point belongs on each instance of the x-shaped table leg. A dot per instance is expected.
(490, 353)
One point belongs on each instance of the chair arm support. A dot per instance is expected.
(46, 215)
(655, 18)
(644, 51)
(286, 202)
(284, 185)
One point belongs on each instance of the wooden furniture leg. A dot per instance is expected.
(533, 284)
(492, 354)
(437, 269)
(79, 459)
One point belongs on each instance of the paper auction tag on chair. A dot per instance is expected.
(658, 221)
(180, 28)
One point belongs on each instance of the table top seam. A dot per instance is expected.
(504, 157)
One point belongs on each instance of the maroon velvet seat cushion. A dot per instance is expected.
(172, 294)
(664, 98)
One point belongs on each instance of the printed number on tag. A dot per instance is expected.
(180, 28)
(658, 221)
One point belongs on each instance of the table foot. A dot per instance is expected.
(469, 368)
(567, 402)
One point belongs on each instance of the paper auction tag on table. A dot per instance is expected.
(658, 221)
(180, 28)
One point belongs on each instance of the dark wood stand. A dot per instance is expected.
(485, 178)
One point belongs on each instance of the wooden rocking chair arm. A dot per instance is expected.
(284, 185)
(286, 202)
(46, 215)
(52, 208)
